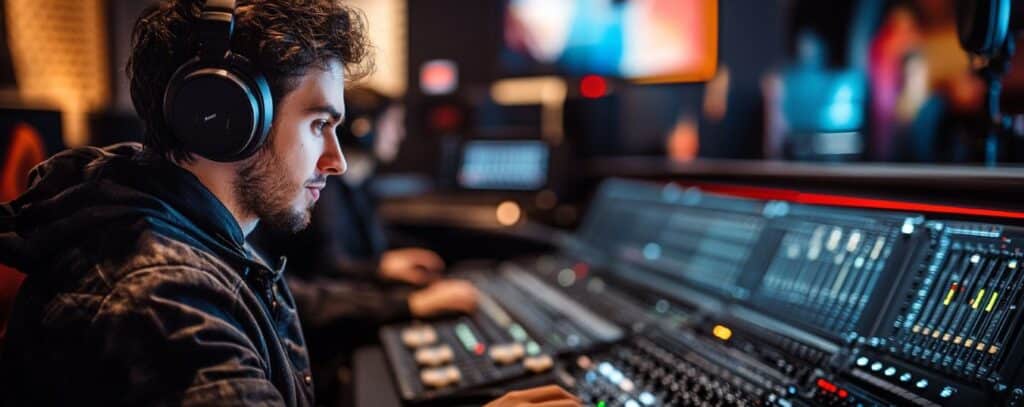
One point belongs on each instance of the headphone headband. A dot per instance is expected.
(216, 24)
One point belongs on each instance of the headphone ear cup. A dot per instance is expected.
(264, 100)
(219, 111)
(982, 25)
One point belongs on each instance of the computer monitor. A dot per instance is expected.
(503, 165)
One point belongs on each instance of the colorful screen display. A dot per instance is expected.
(654, 40)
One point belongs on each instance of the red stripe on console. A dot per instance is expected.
(850, 201)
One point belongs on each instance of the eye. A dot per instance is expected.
(319, 125)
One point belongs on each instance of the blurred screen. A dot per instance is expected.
(27, 137)
(664, 40)
(504, 165)
(824, 100)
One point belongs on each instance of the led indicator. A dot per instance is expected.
(949, 296)
(826, 386)
(593, 87)
(466, 336)
(722, 332)
(977, 300)
(992, 301)
(581, 269)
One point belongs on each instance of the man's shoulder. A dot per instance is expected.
(139, 260)
(157, 271)
(167, 260)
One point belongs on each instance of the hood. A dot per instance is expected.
(87, 195)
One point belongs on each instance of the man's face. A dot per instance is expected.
(281, 182)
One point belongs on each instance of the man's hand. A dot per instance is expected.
(547, 396)
(443, 296)
(414, 266)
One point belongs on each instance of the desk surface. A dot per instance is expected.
(373, 384)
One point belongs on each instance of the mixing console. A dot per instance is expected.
(523, 322)
(670, 296)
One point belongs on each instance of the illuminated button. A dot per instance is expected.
(905, 377)
(890, 371)
(627, 385)
(947, 392)
(921, 383)
(722, 332)
(566, 277)
(647, 398)
(876, 366)
(631, 403)
(908, 227)
(862, 361)
(532, 348)
(572, 340)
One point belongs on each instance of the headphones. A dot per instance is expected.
(218, 104)
(983, 25)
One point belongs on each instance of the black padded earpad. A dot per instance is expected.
(221, 111)
(982, 25)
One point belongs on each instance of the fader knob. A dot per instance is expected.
(538, 363)
(507, 353)
(434, 356)
(440, 376)
(419, 335)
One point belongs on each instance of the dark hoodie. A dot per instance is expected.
(141, 291)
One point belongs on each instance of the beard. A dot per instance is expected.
(263, 190)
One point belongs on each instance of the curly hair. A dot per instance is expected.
(282, 38)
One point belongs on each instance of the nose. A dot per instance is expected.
(332, 161)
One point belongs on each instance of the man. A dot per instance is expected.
(341, 273)
(345, 251)
(140, 289)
